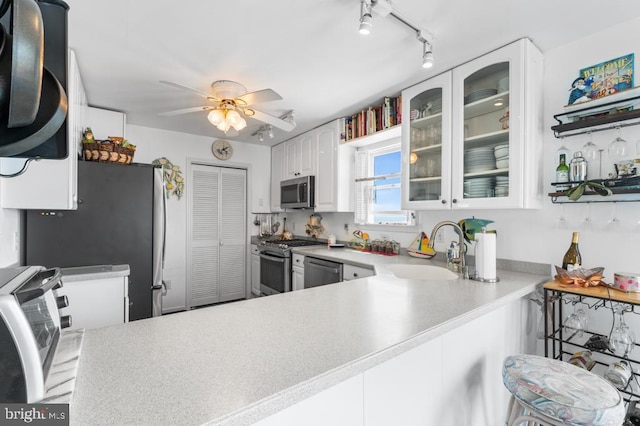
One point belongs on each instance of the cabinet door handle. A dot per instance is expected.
(444, 201)
(355, 274)
(454, 201)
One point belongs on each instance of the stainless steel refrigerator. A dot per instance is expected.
(120, 220)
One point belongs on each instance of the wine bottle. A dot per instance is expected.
(562, 174)
(572, 259)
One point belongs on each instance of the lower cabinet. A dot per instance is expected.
(94, 300)
(297, 272)
(255, 270)
(454, 379)
(352, 272)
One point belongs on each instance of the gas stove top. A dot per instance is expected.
(286, 245)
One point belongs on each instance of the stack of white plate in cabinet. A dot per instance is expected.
(479, 187)
(502, 186)
(479, 94)
(501, 153)
(479, 160)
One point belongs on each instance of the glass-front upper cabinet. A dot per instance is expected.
(473, 137)
(496, 129)
(426, 144)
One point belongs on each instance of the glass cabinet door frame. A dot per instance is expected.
(441, 81)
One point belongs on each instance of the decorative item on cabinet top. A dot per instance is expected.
(115, 149)
(174, 182)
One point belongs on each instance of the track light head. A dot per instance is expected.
(427, 56)
(366, 20)
(270, 131)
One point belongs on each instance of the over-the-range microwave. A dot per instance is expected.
(297, 193)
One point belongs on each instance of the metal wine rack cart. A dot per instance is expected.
(560, 344)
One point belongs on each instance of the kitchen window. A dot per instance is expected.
(378, 185)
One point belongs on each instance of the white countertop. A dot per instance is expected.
(96, 272)
(235, 363)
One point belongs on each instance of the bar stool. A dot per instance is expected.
(549, 392)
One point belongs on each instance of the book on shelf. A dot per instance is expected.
(373, 119)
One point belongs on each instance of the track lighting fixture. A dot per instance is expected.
(366, 20)
(385, 8)
(427, 55)
(267, 130)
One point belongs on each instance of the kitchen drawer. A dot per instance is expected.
(351, 272)
(297, 260)
(254, 249)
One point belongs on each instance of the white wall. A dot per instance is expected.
(535, 235)
(180, 148)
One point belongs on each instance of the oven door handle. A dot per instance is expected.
(51, 279)
(272, 258)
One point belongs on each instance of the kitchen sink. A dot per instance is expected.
(422, 272)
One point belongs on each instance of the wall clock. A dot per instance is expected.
(222, 149)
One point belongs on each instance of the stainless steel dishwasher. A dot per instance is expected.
(319, 272)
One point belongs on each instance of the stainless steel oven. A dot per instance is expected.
(275, 273)
(275, 264)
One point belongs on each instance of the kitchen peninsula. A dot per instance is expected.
(320, 355)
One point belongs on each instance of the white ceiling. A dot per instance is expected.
(309, 52)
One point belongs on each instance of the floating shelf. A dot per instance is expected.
(623, 190)
(600, 114)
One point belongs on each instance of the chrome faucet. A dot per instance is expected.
(459, 263)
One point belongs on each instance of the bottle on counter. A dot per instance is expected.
(562, 174)
(572, 259)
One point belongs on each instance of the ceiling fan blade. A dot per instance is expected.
(274, 121)
(186, 111)
(265, 95)
(180, 86)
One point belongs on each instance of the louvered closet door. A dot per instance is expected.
(233, 226)
(217, 243)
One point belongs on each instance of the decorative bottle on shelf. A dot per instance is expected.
(572, 259)
(562, 174)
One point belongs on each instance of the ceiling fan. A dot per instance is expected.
(230, 102)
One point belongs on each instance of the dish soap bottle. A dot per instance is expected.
(562, 174)
(572, 259)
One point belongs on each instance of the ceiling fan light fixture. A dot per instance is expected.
(233, 117)
(224, 126)
(216, 116)
(240, 124)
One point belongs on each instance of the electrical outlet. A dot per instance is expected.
(346, 227)
(440, 237)
(167, 284)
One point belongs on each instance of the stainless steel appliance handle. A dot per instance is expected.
(272, 258)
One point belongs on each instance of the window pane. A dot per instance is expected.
(385, 164)
(386, 200)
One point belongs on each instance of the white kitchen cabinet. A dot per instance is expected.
(335, 170)
(297, 272)
(50, 184)
(98, 296)
(462, 116)
(300, 156)
(278, 174)
(352, 272)
(255, 270)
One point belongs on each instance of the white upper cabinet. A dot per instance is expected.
(51, 184)
(487, 134)
(335, 167)
(278, 173)
(426, 144)
(300, 156)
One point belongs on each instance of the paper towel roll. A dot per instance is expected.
(486, 256)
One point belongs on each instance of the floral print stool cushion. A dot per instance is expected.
(563, 391)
